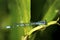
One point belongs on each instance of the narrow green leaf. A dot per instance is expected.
(51, 11)
(20, 13)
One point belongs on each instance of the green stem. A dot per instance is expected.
(41, 27)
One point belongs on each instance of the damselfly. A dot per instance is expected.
(28, 24)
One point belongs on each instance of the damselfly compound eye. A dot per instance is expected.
(8, 27)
